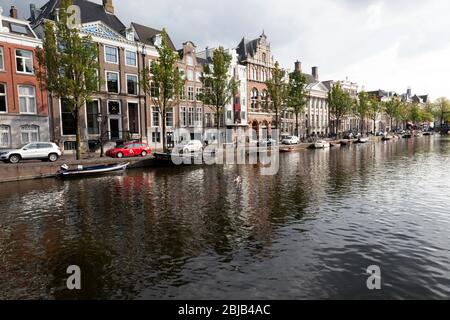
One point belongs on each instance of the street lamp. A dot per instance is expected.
(100, 120)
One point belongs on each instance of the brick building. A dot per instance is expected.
(23, 104)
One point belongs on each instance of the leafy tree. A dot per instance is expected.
(163, 82)
(340, 103)
(296, 95)
(276, 87)
(219, 87)
(362, 108)
(375, 108)
(415, 114)
(442, 110)
(391, 109)
(69, 66)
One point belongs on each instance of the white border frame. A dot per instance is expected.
(32, 63)
(6, 98)
(104, 53)
(130, 65)
(138, 112)
(86, 117)
(35, 98)
(2, 50)
(137, 81)
(118, 82)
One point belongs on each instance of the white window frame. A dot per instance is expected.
(159, 117)
(24, 61)
(173, 119)
(136, 55)
(114, 117)
(193, 93)
(191, 117)
(183, 117)
(118, 82)
(6, 97)
(5, 129)
(137, 83)
(190, 61)
(117, 54)
(27, 99)
(29, 132)
(138, 113)
(2, 59)
(190, 75)
(99, 106)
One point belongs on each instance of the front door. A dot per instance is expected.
(114, 129)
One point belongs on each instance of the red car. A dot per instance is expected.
(131, 149)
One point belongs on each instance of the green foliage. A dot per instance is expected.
(163, 82)
(219, 87)
(68, 65)
(441, 110)
(296, 94)
(340, 103)
(277, 91)
(362, 108)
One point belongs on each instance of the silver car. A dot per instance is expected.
(33, 151)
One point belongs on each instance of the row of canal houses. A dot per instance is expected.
(121, 110)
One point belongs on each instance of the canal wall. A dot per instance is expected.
(37, 170)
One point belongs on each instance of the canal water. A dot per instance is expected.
(311, 231)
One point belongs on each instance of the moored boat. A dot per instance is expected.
(363, 140)
(321, 144)
(81, 171)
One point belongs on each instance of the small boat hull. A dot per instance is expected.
(92, 171)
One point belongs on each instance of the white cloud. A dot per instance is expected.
(380, 44)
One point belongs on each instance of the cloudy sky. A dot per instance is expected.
(378, 43)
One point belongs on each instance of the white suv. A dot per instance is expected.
(32, 151)
(186, 147)
(290, 140)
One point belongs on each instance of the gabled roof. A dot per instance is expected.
(90, 12)
(17, 27)
(247, 48)
(147, 35)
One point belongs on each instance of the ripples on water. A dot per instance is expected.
(309, 232)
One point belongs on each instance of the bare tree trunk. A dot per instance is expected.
(296, 125)
(164, 129)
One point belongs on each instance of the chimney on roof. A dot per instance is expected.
(32, 11)
(298, 66)
(108, 5)
(13, 12)
(315, 73)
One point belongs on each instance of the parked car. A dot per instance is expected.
(45, 151)
(290, 140)
(349, 135)
(266, 143)
(186, 147)
(131, 149)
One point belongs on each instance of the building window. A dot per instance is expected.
(229, 114)
(198, 92)
(254, 99)
(183, 116)
(5, 136)
(198, 118)
(264, 100)
(67, 119)
(156, 137)
(154, 89)
(111, 54)
(92, 112)
(114, 108)
(132, 84)
(189, 61)
(112, 82)
(27, 99)
(24, 61)
(131, 58)
(155, 116)
(190, 75)
(2, 60)
(169, 119)
(29, 134)
(191, 115)
(191, 93)
(198, 76)
(133, 118)
(243, 116)
(3, 99)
